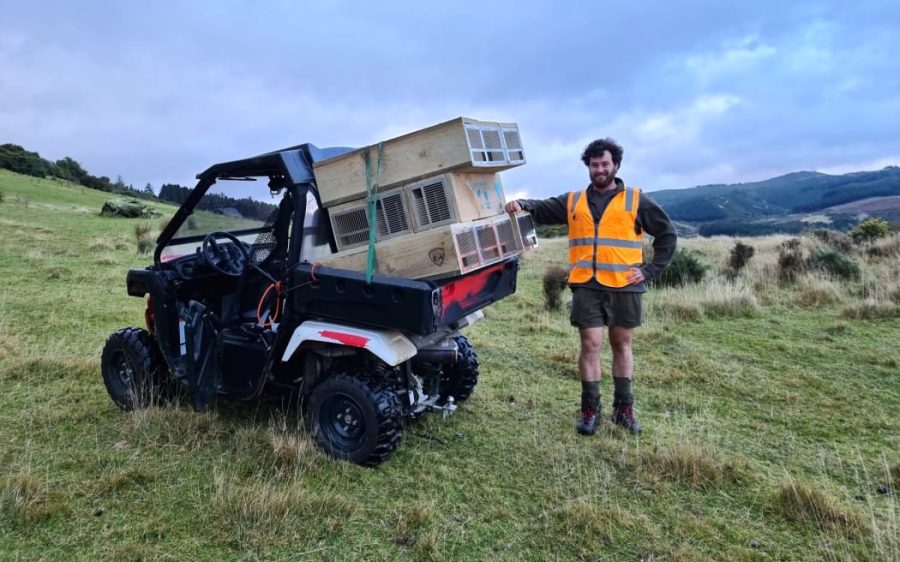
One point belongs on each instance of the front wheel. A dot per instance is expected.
(133, 369)
(360, 421)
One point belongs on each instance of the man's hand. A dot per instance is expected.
(513, 207)
(635, 275)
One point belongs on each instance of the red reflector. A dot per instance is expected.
(346, 339)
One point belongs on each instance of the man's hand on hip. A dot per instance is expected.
(635, 276)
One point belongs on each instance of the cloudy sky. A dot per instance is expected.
(708, 92)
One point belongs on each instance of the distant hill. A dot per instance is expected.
(788, 203)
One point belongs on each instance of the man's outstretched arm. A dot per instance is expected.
(544, 211)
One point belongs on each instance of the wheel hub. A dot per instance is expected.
(342, 419)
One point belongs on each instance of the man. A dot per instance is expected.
(606, 225)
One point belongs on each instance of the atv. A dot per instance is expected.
(239, 308)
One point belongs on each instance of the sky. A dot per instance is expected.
(700, 92)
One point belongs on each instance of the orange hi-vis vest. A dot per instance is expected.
(608, 249)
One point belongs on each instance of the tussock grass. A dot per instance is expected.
(107, 244)
(25, 500)
(279, 450)
(885, 248)
(121, 480)
(173, 428)
(697, 466)
(35, 255)
(252, 514)
(588, 527)
(413, 527)
(805, 504)
(870, 309)
(713, 298)
(815, 291)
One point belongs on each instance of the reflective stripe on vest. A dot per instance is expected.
(608, 249)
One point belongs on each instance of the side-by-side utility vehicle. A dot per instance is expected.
(238, 307)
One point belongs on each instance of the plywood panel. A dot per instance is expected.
(418, 256)
(428, 152)
(477, 195)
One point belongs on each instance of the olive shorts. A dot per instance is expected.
(593, 308)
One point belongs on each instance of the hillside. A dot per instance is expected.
(769, 411)
(785, 203)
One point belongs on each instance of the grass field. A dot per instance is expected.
(771, 413)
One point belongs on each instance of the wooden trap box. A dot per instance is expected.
(444, 251)
(458, 145)
(419, 206)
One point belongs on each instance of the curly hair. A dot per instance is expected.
(599, 146)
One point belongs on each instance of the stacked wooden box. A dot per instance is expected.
(439, 208)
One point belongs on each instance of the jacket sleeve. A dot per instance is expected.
(547, 211)
(655, 222)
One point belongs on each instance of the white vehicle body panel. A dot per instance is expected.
(390, 346)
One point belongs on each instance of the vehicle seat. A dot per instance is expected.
(269, 253)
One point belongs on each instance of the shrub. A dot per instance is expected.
(738, 259)
(790, 260)
(837, 264)
(554, 283)
(191, 223)
(685, 268)
(870, 230)
(833, 238)
(888, 247)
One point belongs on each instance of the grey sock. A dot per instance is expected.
(622, 393)
(590, 395)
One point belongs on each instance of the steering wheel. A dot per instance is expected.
(227, 259)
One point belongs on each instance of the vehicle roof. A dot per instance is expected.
(296, 162)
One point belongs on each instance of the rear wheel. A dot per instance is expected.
(460, 379)
(133, 369)
(361, 421)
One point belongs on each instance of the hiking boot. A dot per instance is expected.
(623, 415)
(590, 418)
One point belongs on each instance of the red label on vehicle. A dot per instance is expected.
(346, 339)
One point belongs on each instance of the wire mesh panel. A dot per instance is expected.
(506, 238)
(527, 231)
(467, 248)
(491, 145)
(487, 243)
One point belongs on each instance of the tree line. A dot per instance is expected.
(17, 159)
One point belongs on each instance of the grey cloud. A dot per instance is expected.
(157, 93)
